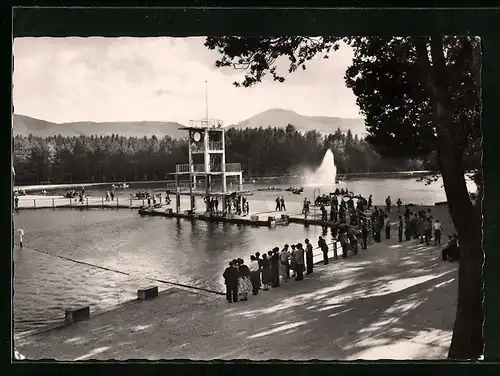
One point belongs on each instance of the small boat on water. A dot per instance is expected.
(340, 179)
(120, 186)
(270, 189)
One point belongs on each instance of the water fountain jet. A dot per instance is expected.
(325, 174)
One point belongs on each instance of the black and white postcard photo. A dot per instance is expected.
(231, 197)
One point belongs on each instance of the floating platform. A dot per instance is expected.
(255, 219)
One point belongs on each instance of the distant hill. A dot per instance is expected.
(281, 118)
(24, 125)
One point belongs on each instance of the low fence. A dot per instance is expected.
(90, 202)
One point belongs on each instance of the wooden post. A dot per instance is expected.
(34, 203)
(102, 202)
(177, 196)
(70, 201)
(87, 199)
(117, 202)
(53, 205)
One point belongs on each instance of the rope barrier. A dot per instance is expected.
(125, 273)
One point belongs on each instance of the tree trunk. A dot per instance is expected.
(467, 341)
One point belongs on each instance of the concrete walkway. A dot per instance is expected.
(390, 302)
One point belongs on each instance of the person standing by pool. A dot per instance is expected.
(400, 229)
(324, 248)
(299, 262)
(407, 227)
(285, 263)
(275, 267)
(387, 224)
(309, 257)
(292, 260)
(259, 261)
(282, 203)
(20, 234)
(421, 228)
(231, 281)
(427, 230)
(254, 274)
(399, 203)
(407, 212)
(244, 284)
(278, 204)
(266, 271)
(333, 213)
(364, 234)
(388, 204)
(414, 226)
(437, 232)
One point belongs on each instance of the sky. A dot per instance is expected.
(162, 79)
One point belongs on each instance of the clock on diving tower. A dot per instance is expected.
(207, 168)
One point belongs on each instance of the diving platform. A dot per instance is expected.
(206, 166)
(229, 169)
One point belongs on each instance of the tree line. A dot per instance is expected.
(261, 151)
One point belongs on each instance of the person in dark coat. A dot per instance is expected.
(407, 228)
(414, 226)
(259, 260)
(387, 225)
(452, 251)
(344, 242)
(364, 234)
(309, 257)
(324, 248)
(231, 281)
(400, 229)
(353, 241)
(266, 271)
(275, 267)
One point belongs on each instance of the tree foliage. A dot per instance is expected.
(267, 151)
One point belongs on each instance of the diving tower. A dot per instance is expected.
(207, 170)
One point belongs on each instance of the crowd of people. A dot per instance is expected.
(269, 270)
(275, 266)
(343, 211)
(141, 195)
(155, 200)
(292, 262)
(234, 204)
(19, 192)
(79, 195)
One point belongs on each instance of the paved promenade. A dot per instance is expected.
(390, 302)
